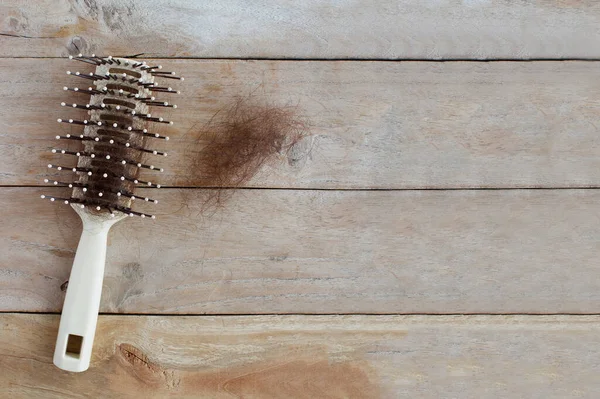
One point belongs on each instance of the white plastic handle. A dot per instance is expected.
(82, 301)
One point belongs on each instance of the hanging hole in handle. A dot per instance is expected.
(74, 343)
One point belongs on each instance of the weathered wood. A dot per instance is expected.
(374, 124)
(367, 357)
(388, 29)
(296, 251)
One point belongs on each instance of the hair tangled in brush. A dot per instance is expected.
(239, 140)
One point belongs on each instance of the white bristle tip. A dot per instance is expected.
(70, 186)
(68, 72)
(118, 194)
(66, 202)
(136, 181)
(154, 152)
(130, 128)
(123, 162)
(139, 165)
(145, 130)
(68, 136)
(161, 169)
(75, 88)
(105, 175)
(59, 168)
(52, 199)
(89, 173)
(174, 106)
(131, 215)
(93, 156)
(74, 169)
(82, 206)
(158, 186)
(149, 183)
(170, 122)
(42, 196)
(54, 151)
(98, 208)
(151, 166)
(65, 88)
(55, 183)
(153, 217)
(108, 157)
(112, 215)
(142, 215)
(115, 125)
(100, 194)
(122, 177)
(63, 104)
(84, 189)
(156, 201)
(59, 120)
(70, 120)
(167, 138)
(70, 57)
(46, 180)
(111, 141)
(127, 144)
(96, 139)
(57, 137)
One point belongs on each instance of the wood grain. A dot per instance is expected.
(381, 29)
(368, 357)
(373, 124)
(297, 251)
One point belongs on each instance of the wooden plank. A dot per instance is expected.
(374, 124)
(310, 357)
(388, 29)
(296, 251)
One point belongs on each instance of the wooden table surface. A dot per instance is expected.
(437, 235)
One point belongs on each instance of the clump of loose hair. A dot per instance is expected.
(239, 140)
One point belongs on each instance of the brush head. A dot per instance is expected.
(119, 136)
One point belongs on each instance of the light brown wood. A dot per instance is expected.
(296, 251)
(374, 124)
(381, 29)
(369, 357)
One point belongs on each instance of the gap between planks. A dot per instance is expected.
(408, 314)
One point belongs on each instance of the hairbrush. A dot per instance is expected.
(117, 143)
